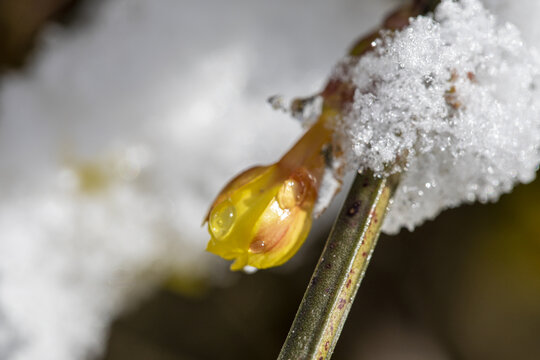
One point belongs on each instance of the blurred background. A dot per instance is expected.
(463, 286)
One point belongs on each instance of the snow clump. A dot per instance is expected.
(452, 103)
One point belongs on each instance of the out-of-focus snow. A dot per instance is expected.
(452, 103)
(115, 140)
(522, 13)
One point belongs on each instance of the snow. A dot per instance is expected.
(452, 103)
(114, 142)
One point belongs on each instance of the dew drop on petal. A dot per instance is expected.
(222, 219)
(291, 194)
(257, 247)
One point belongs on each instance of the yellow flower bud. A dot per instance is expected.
(262, 217)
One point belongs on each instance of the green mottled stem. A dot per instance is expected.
(330, 294)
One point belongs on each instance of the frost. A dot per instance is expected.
(452, 102)
(277, 102)
(307, 110)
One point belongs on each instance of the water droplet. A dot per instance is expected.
(291, 194)
(257, 247)
(222, 219)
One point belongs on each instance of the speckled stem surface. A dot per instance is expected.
(337, 276)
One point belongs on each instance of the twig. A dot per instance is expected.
(343, 263)
(341, 268)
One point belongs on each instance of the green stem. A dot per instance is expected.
(341, 268)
